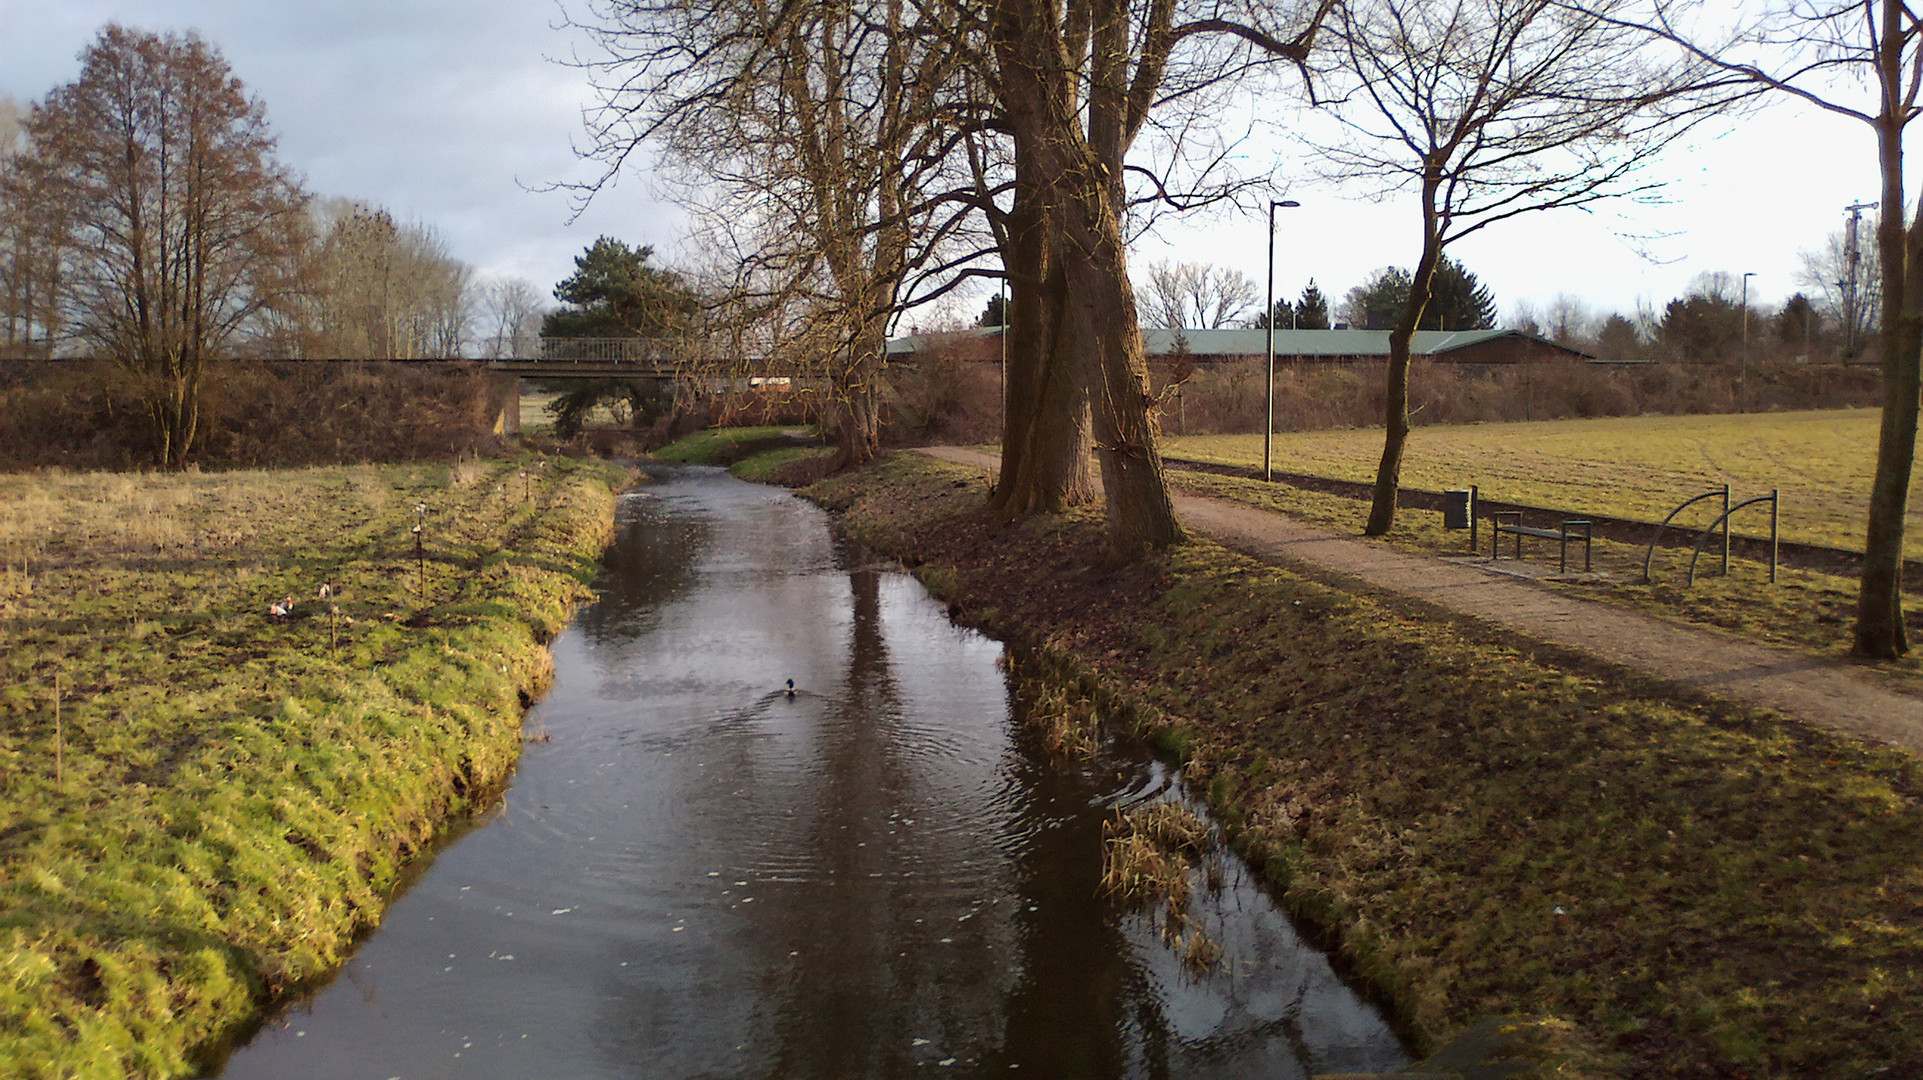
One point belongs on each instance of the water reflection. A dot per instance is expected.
(701, 876)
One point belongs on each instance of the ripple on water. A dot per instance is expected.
(698, 875)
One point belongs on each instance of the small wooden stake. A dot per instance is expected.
(59, 774)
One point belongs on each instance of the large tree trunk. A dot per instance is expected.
(1388, 473)
(1045, 464)
(1106, 345)
(1880, 633)
(1094, 342)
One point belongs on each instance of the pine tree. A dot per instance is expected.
(1285, 318)
(1457, 301)
(1312, 310)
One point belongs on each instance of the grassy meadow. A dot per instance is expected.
(1635, 467)
(1658, 885)
(201, 802)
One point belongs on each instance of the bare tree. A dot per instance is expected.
(1862, 60)
(811, 139)
(1193, 295)
(182, 225)
(377, 289)
(1074, 86)
(1569, 321)
(1846, 278)
(1490, 109)
(32, 230)
(510, 318)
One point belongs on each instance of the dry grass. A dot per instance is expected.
(1807, 610)
(224, 796)
(1484, 828)
(1638, 468)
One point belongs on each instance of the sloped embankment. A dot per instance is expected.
(205, 802)
(1480, 828)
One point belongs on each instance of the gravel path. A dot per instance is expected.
(1816, 690)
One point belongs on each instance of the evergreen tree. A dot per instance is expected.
(1701, 327)
(613, 292)
(1285, 318)
(1799, 321)
(1618, 341)
(1457, 301)
(1312, 310)
(993, 314)
(1378, 302)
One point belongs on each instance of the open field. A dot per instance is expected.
(201, 803)
(1637, 467)
(1663, 886)
(1806, 609)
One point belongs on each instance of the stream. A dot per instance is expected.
(695, 874)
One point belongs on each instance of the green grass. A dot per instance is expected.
(1638, 468)
(769, 465)
(720, 446)
(226, 798)
(1805, 610)
(1482, 827)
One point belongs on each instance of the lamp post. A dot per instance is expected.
(1268, 319)
(1742, 378)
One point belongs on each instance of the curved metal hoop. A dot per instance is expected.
(1651, 553)
(1771, 500)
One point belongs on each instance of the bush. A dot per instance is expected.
(84, 414)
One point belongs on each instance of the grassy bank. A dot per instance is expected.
(1806, 610)
(1478, 826)
(201, 803)
(726, 445)
(1638, 468)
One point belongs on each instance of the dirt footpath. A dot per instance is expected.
(1819, 691)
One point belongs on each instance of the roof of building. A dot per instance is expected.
(1321, 343)
(1329, 344)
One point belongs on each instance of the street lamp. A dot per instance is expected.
(1268, 412)
(1742, 379)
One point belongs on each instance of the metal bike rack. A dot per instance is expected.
(1775, 507)
(1654, 540)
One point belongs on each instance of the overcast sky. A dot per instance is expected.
(448, 111)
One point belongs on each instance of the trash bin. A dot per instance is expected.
(1457, 506)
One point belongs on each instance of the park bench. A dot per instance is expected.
(1510, 521)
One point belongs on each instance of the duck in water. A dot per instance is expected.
(791, 690)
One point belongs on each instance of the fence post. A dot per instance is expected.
(1725, 530)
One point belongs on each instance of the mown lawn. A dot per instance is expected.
(201, 803)
(1666, 886)
(1638, 468)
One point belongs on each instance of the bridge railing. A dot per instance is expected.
(623, 350)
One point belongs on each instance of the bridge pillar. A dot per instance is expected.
(509, 389)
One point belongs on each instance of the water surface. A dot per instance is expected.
(697, 875)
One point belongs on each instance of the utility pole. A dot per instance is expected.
(1852, 255)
